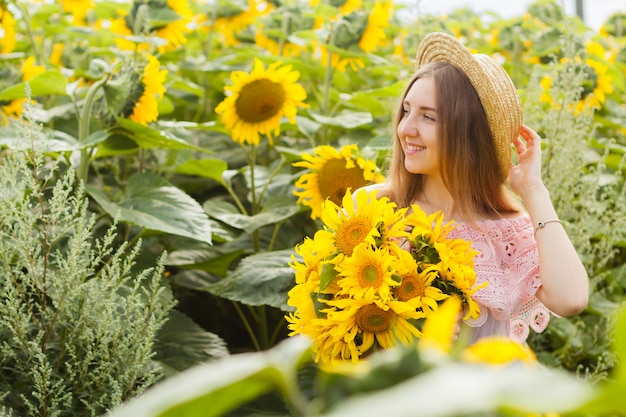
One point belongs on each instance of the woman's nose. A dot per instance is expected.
(406, 128)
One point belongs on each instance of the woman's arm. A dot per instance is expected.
(565, 284)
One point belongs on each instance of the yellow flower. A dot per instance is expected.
(355, 223)
(438, 332)
(174, 31)
(498, 351)
(232, 18)
(596, 86)
(368, 273)
(7, 24)
(146, 108)
(78, 9)
(30, 70)
(13, 108)
(56, 56)
(332, 173)
(416, 284)
(374, 34)
(171, 32)
(360, 324)
(258, 101)
(453, 259)
(546, 84)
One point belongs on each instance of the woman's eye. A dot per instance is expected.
(429, 117)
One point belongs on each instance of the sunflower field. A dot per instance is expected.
(207, 138)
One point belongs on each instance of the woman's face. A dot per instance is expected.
(417, 129)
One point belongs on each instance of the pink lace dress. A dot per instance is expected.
(508, 260)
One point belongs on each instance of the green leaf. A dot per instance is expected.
(260, 279)
(207, 168)
(346, 119)
(214, 389)
(279, 210)
(209, 261)
(470, 389)
(327, 276)
(147, 138)
(46, 83)
(152, 202)
(183, 344)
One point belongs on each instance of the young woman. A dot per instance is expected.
(456, 124)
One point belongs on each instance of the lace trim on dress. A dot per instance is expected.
(508, 260)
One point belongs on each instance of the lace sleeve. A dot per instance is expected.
(530, 313)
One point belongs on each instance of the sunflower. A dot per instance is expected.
(453, 259)
(175, 30)
(171, 31)
(232, 18)
(374, 35)
(259, 100)
(7, 24)
(362, 325)
(357, 33)
(595, 86)
(416, 284)
(13, 109)
(332, 173)
(144, 107)
(78, 9)
(56, 56)
(355, 222)
(367, 273)
(498, 351)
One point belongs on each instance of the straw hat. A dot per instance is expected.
(495, 88)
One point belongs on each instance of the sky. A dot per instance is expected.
(595, 12)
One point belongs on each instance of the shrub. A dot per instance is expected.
(78, 321)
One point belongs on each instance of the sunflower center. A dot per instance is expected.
(260, 100)
(374, 319)
(350, 234)
(369, 276)
(335, 179)
(410, 288)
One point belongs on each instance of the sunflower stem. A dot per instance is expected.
(83, 127)
(246, 324)
(209, 39)
(285, 31)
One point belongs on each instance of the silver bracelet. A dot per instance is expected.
(541, 225)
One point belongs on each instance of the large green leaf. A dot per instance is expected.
(147, 137)
(182, 343)
(152, 202)
(46, 83)
(214, 389)
(276, 211)
(260, 279)
(207, 168)
(455, 389)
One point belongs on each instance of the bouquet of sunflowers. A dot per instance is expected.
(371, 276)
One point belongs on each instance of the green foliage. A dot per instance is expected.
(590, 198)
(79, 319)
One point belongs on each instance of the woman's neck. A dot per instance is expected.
(434, 197)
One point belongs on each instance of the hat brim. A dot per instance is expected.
(495, 88)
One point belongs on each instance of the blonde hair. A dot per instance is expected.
(468, 159)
